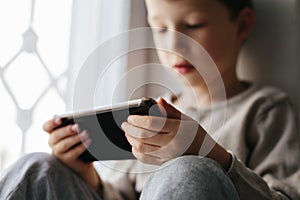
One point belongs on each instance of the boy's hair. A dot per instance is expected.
(236, 6)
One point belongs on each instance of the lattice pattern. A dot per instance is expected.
(24, 116)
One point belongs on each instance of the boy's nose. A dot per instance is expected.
(176, 43)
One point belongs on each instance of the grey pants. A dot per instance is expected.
(190, 177)
(42, 176)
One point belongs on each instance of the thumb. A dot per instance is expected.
(167, 109)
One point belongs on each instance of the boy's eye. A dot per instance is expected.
(162, 30)
(195, 26)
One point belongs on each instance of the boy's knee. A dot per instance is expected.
(29, 168)
(34, 163)
(192, 161)
(37, 160)
(38, 157)
(191, 165)
(192, 176)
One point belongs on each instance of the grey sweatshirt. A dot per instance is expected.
(258, 128)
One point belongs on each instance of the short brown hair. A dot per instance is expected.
(236, 6)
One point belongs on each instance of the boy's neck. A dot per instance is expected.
(205, 97)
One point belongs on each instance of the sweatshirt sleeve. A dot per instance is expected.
(272, 168)
(109, 192)
(117, 183)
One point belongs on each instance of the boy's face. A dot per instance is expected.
(206, 21)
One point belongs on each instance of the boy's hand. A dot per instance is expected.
(67, 145)
(156, 140)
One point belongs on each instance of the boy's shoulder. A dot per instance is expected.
(263, 98)
(259, 94)
(268, 94)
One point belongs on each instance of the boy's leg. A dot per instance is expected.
(190, 177)
(42, 176)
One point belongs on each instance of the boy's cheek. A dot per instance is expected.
(166, 58)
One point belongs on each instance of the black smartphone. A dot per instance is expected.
(104, 127)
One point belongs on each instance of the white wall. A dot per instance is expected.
(271, 56)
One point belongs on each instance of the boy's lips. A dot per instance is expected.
(183, 68)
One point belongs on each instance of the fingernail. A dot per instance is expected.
(88, 142)
(84, 133)
(75, 128)
(130, 119)
(83, 136)
(123, 125)
(138, 120)
(57, 121)
(159, 99)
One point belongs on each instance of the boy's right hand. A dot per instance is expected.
(67, 145)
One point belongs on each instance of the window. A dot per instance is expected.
(43, 45)
(33, 64)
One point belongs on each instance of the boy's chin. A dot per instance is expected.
(192, 78)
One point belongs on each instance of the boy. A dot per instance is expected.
(256, 157)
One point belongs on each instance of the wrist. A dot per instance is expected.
(92, 178)
(217, 153)
(100, 189)
(220, 155)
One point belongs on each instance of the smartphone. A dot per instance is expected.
(104, 127)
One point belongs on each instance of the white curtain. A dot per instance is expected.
(93, 23)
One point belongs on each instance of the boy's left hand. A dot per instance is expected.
(156, 140)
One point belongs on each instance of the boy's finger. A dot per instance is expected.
(167, 108)
(153, 123)
(137, 132)
(51, 124)
(62, 133)
(147, 159)
(143, 148)
(170, 111)
(66, 144)
(159, 140)
(148, 122)
(75, 152)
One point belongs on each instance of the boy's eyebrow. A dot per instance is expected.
(153, 18)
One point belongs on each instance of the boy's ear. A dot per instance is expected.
(246, 21)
